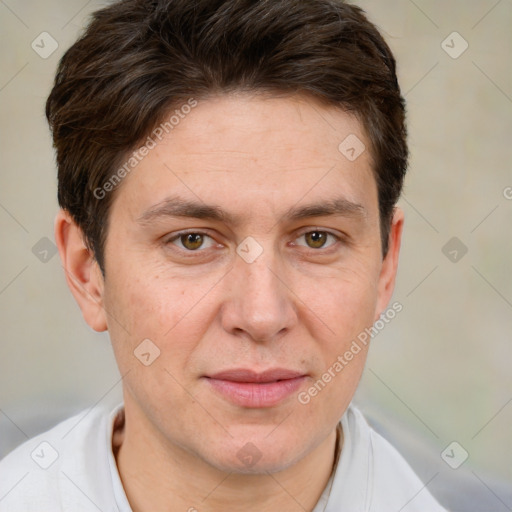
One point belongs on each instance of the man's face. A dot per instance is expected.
(293, 296)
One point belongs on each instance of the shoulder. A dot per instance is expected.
(58, 466)
(391, 484)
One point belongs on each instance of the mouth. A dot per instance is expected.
(247, 388)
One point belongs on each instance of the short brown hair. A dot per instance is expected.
(140, 58)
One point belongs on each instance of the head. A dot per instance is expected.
(228, 175)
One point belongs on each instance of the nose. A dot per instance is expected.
(260, 305)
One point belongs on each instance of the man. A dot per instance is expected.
(228, 175)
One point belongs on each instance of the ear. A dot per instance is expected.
(390, 263)
(83, 274)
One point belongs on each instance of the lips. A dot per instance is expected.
(271, 375)
(247, 388)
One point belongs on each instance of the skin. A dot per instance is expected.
(299, 305)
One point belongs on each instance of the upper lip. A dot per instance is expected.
(243, 375)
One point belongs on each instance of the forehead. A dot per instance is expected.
(247, 153)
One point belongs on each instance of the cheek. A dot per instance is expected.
(349, 312)
(343, 307)
(168, 310)
(344, 301)
(151, 334)
(344, 311)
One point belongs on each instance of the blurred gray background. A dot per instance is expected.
(439, 372)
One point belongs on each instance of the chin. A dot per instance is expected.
(247, 467)
(258, 456)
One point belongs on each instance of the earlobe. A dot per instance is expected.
(82, 271)
(390, 263)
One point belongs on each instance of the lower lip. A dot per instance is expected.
(252, 394)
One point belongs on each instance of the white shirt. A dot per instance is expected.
(71, 468)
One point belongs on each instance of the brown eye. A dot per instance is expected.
(192, 241)
(316, 239)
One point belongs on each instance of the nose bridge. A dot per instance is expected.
(261, 282)
(261, 304)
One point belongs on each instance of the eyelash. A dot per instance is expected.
(192, 253)
(178, 236)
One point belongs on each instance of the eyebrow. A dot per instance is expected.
(178, 207)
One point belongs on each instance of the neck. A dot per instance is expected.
(156, 475)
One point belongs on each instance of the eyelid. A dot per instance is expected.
(310, 229)
(179, 234)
